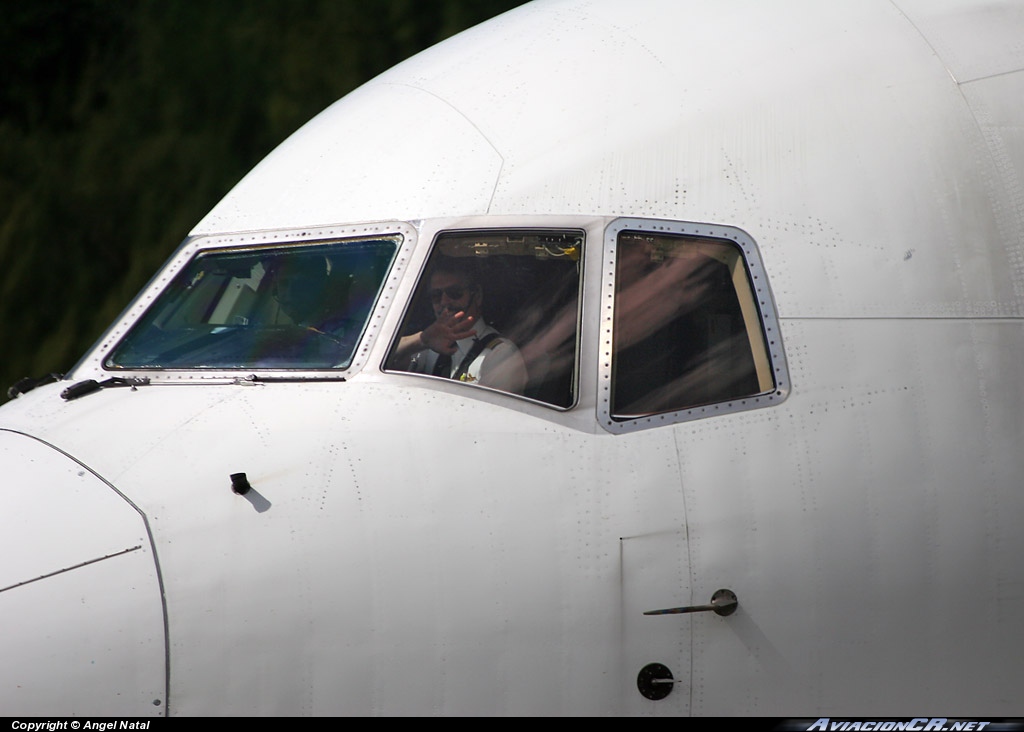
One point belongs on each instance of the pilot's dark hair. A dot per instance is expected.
(464, 267)
(315, 267)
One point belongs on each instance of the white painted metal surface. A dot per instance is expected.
(419, 546)
(80, 599)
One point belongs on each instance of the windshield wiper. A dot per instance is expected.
(24, 386)
(91, 385)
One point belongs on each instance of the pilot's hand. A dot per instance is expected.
(440, 336)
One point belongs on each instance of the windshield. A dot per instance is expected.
(498, 309)
(295, 307)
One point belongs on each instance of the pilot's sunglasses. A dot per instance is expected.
(454, 292)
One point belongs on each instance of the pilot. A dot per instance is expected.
(459, 344)
(310, 295)
(300, 289)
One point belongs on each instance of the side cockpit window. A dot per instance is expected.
(690, 331)
(500, 310)
(292, 307)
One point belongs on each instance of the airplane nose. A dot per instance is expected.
(80, 597)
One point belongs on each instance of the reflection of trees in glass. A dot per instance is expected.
(681, 339)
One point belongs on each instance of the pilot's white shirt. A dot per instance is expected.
(499, 365)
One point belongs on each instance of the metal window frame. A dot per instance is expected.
(763, 299)
(404, 234)
(490, 226)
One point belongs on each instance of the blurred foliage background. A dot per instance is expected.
(122, 123)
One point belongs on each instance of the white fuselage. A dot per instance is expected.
(414, 545)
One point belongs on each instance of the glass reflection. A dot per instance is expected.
(288, 307)
(681, 337)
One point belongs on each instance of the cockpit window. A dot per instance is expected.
(295, 307)
(498, 309)
(692, 332)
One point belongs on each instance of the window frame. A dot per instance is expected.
(439, 236)
(760, 297)
(403, 233)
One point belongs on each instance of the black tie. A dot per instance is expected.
(443, 366)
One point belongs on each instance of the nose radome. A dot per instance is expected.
(80, 584)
